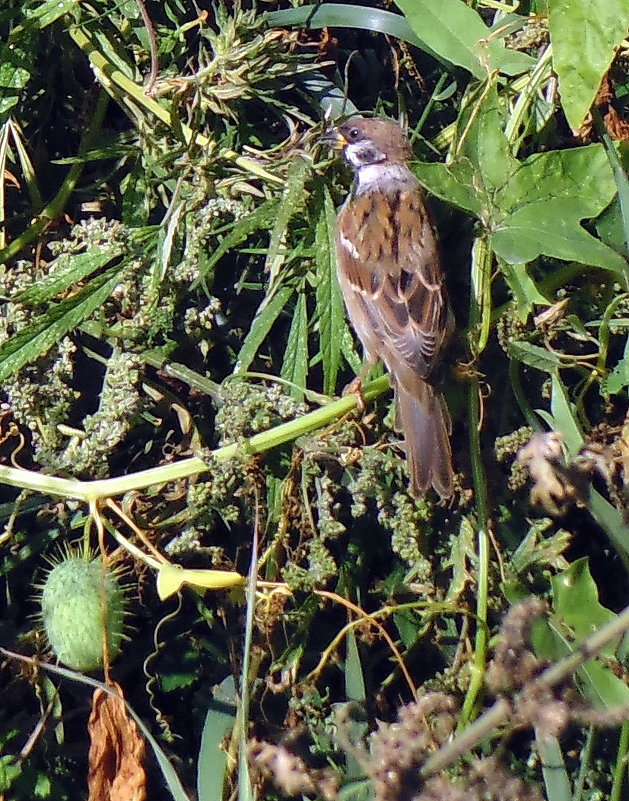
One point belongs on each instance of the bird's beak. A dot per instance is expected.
(334, 139)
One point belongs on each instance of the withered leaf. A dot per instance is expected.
(116, 771)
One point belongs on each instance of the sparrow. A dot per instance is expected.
(392, 282)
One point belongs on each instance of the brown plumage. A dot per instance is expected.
(392, 282)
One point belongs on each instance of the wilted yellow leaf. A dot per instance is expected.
(170, 578)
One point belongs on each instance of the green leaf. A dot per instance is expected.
(582, 172)
(262, 218)
(618, 379)
(44, 14)
(212, 762)
(15, 67)
(454, 183)
(354, 678)
(270, 309)
(48, 329)
(484, 142)
(342, 15)
(576, 601)
(552, 228)
(462, 545)
(457, 34)
(66, 271)
(579, 613)
(534, 356)
(532, 207)
(612, 523)
(331, 99)
(554, 771)
(452, 37)
(357, 791)
(564, 417)
(330, 309)
(292, 200)
(584, 36)
(523, 289)
(295, 365)
(547, 199)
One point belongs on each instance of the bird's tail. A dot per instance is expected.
(423, 418)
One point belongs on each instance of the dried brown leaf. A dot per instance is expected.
(116, 771)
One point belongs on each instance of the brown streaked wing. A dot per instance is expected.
(396, 276)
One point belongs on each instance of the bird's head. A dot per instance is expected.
(365, 142)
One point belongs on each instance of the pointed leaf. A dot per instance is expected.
(584, 36)
(267, 314)
(261, 219)
(553, 228)
(295, 365)
(523, 289)
(48, 329)
(66, 271)
(458, 34)
(292, 200)
(329, 300)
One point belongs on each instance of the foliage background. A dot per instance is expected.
(169, 301)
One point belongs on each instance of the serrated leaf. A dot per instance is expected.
(261, 219)
(584, 36)
(462, 545)
(268, 312)
(74, 268)
(330, 308)
(534, 356)
(292, 200)
(295, 365)
(50, 327)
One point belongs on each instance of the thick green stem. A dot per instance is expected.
(482, 534)
(107, 488)
(480, 311)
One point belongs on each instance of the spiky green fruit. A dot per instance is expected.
(80, 599)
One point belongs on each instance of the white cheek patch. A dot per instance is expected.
(349, 246)
(360, 153)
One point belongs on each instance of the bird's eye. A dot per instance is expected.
(354, 133)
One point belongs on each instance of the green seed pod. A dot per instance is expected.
(80, 598)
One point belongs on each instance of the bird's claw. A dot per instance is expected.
(355, 387)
